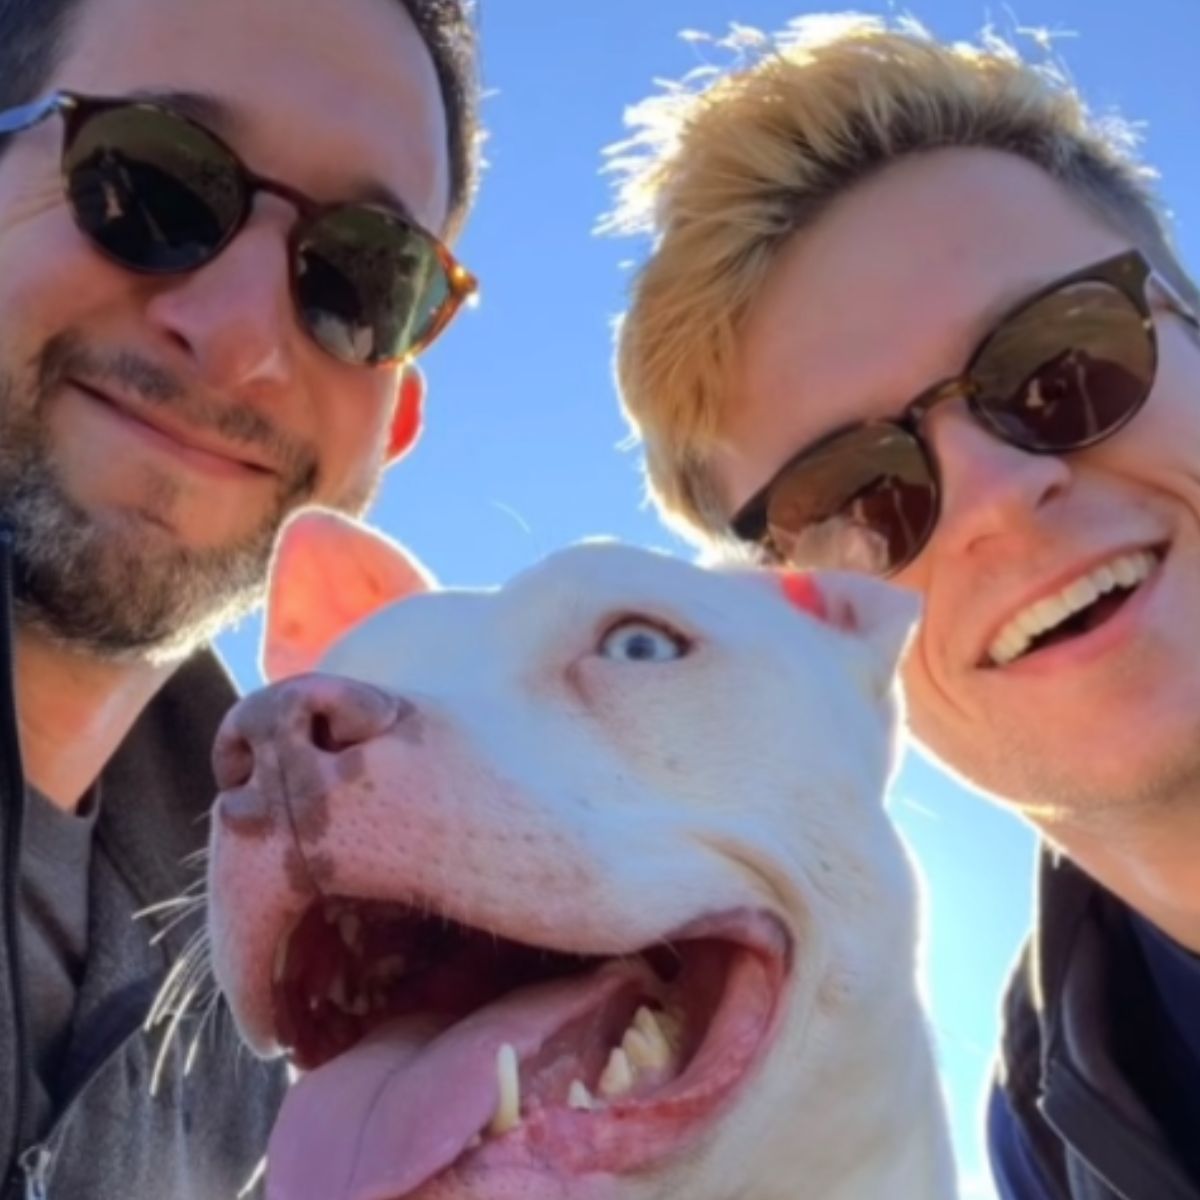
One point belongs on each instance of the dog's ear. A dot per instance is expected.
(328, 573)
(879, 614)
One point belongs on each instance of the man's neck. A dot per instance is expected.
(73, 712)
(1148, 861)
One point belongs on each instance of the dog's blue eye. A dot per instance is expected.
(640, 641)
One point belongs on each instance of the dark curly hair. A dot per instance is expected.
(33, 35)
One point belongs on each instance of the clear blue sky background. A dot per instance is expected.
(521, 453)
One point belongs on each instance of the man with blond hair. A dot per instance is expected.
(912, 312)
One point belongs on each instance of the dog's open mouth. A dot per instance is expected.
(428, 1045)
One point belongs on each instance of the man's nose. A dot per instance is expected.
(989, 487)
(234, 316)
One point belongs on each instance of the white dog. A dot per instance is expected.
(582, 888)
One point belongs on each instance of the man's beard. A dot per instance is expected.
(118, 586)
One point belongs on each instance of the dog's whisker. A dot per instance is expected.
(169, 1038)
(255, 1179)
(204, 1024)
(175, 922)
(178, 996)
(196, 955)
(181, 901)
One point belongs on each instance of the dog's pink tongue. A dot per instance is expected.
(382, 1119)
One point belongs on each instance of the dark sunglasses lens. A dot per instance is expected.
(864, 501)
(152, 190)
(1066, 371)
(369, 286)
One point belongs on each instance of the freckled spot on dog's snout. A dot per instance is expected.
(295, 870)
(307, 793)
(307, 873)
(321, 869)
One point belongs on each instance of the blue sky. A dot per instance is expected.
(522, 450)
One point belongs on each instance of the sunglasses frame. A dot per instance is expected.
(77, 109)
(1128, 272)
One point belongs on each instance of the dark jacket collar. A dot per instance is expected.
(1083, 982)
(157, 790)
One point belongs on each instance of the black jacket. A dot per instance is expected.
(1081, 1049)
(200, 1137)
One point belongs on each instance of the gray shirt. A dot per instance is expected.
(56, 856)
(200, 1136)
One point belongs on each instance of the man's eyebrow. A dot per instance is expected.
(371, 191)
(223, 119)
(205, 108)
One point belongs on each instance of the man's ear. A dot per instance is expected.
(409, 414)
(329, 573)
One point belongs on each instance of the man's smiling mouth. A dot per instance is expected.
(1081, 606)
(196, 446)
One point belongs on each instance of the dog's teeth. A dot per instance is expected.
(617, 1078)
(508, 1107)
(350, 927)
(645, 1054)
(639, 1050)
(670, 1025)
(645, 1044)
(579, 1097)
(645, 1020)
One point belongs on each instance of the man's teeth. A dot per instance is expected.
(650, 1044)
(1016, 637)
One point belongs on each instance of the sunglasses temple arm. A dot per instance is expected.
(1176, 301)
(26, 116)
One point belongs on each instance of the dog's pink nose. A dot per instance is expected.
(303, 714)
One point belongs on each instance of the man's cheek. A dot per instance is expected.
(927, 705)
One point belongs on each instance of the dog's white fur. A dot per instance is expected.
(597, 804)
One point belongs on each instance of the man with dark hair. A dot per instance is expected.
(222, 244)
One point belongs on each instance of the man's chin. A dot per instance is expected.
(161, 643)
(128, 592)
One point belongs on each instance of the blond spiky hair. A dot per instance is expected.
(723, 168)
